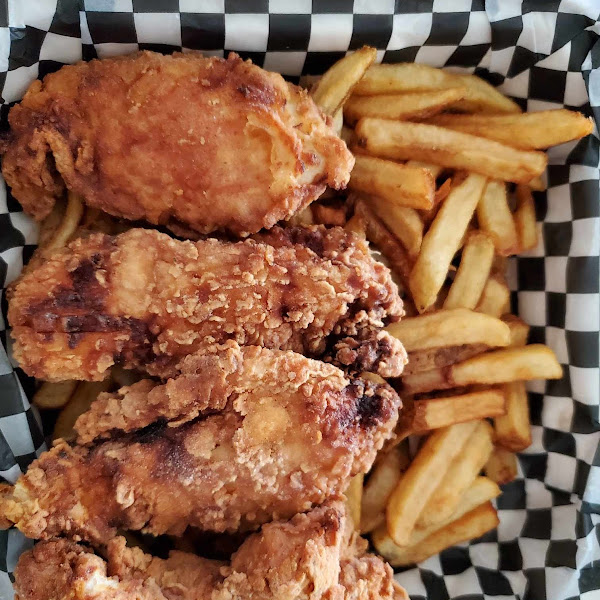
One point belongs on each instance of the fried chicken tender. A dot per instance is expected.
(144, 300)
(310, 557)
(271, 434)
(185, 141)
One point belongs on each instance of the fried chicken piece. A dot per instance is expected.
(183, 140)
(253, 452)
(144, 300)
(308, 558)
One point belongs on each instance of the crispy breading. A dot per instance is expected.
(144, 300)
(307, 558)
(181, 140)
(252, 452)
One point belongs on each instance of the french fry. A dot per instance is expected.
(81, 400)
(433, 358)
(416, 105)
(473, 272)
(400, 140)
(405, 223)
(353, 496)
(338, 121)
(537, 184)
(435, 170)
(381, 483)
(442, 241)
(336, 85)
(397, 183)
(302, 218)
(459, 476)
(435, 413)
(329, 215)
(467, 527)
(480, 96)
(519, 330)
(495, 218)
(422, 478)
(356, 224)
(528, 131)
(535, 361)
(385, 241)
(68, 226)
(51, 223)
(525, 219)
(54, 395)
(450, 328)
(495, 297)
(501, 466)
(513, 429)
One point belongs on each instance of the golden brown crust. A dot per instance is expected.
(209, 143)
(144, 300)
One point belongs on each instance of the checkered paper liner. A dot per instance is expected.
(543, 53)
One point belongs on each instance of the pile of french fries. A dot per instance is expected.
(442, 188)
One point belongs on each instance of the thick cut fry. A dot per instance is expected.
(525, 219)
(385, 241)
(537, 184)
(435, 170)
(422, 478)
(535, 361)
(467, 527)
(68, 226)
(513, 429)
(381, 483)
(519, 330)
(353, 496)
(54, 395)
(450, 328)
(394, 182)
(400, 140)
(528, 131)
(495, 218)
(405, 223)
(329, 215)
(357, 225)
(473, 271)
(501, 466)
(480, 96)
(435, 413)
(442, 241)
(337, 83)
(434, 358)
(461, 474)
(417, 105)
(495, 297)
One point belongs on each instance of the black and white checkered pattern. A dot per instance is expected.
(545, 54)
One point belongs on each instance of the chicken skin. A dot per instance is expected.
(312, 557)
(144, 300)
(193, 143)
(242, 437)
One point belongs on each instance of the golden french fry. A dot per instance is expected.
(416, 105)
(501, 466)
(525, 219)
(68, 226)
(356, 225)
(381, 483)
(480, 96)
(467, 527)
(460, 475)
(422, 478)
(473, 271)
(81, 400)
(513, 429)
(401, 140)
(495, 218)
(537, 184)
(353, 496)
(535, 361)
(495, 297)
(332, 90)
(329, 215)
(528, 131)
(54, 395)
(435, 170)
(442, 241)
(434, 358)
(397, 183)
(51, 223)
(338, 121)
(450, 328)
(443, 411)
(519, 330)
(302, 218)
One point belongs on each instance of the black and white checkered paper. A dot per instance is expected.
(545, 54)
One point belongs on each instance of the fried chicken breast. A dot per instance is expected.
(144, 300)
(186, 141)
(311, 557)
(242, 437)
